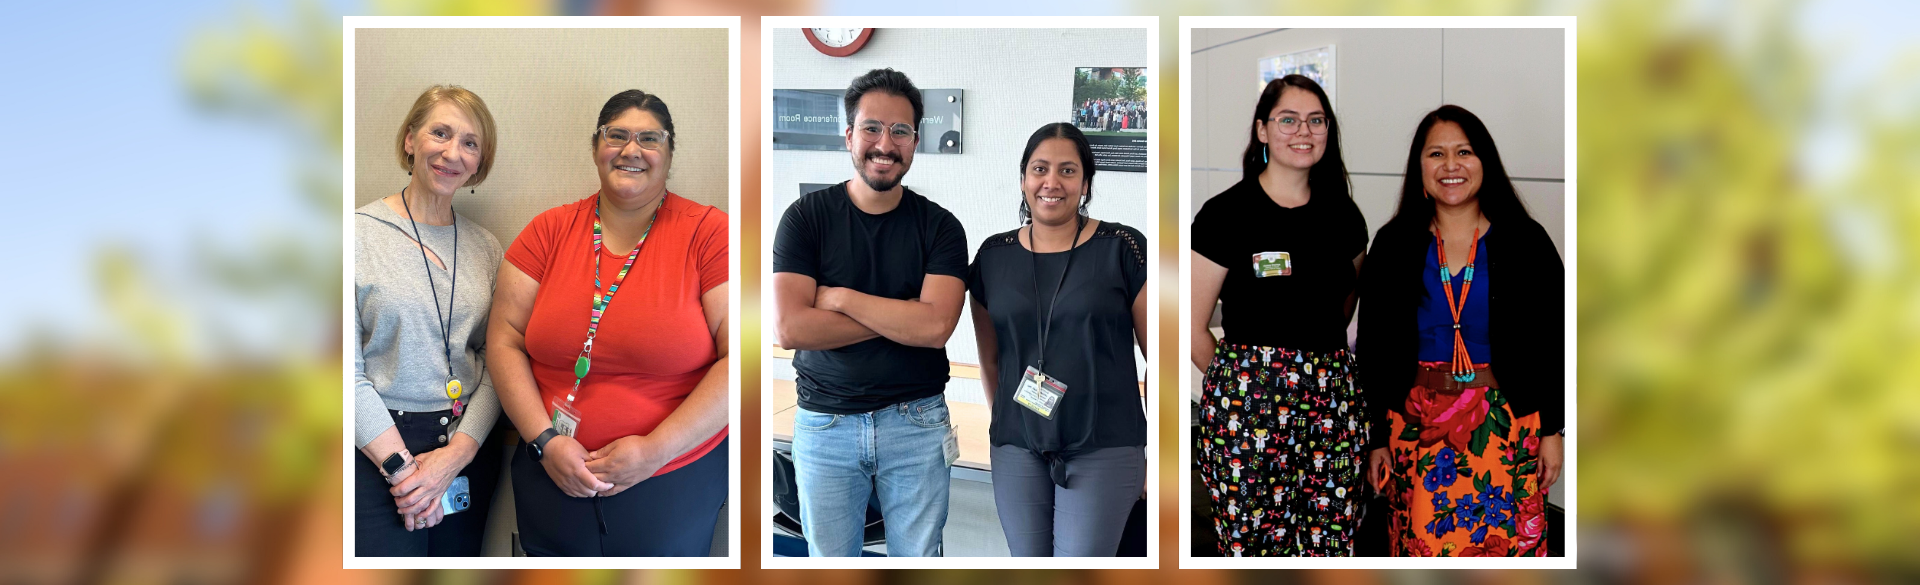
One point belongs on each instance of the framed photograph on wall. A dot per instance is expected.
(1110, 106)
(1316, 64)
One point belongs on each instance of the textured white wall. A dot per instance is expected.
(544, 88)
(1016, 80)
(1386, 79)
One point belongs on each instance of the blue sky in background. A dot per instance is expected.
(1857, 43)
(103, 148)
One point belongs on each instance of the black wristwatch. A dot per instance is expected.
(537, 448)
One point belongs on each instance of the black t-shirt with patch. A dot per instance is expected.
(825, 236)
(1305, 309)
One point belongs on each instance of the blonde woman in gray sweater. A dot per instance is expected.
(423, 285)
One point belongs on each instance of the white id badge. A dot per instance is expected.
(1267, 264)
(1039, 392)
(566, 420)
(953, 445)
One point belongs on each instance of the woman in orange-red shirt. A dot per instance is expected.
(608, 348)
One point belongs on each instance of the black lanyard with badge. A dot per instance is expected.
(453, 387)
(1038, 391)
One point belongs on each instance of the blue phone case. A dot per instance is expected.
(457, 497)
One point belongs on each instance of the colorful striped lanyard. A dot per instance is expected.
(1462, 361)
(600, 302)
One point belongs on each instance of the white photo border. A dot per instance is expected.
(1569, 475)
(769, 221)
(351, 24)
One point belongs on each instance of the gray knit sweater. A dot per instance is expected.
(399, 360)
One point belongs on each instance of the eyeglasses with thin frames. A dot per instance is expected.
(1291, 124)
(902, 133)
(653, 140)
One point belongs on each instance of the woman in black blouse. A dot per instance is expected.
(1460, 279)
(1281, 422)
(1058, 308)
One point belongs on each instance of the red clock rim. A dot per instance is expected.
(866, 34)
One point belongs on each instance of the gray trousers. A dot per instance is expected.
(1084, 519)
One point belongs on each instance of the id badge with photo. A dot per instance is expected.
(1039, 392)
(953, 445)
(1267, 264)
(566, 419)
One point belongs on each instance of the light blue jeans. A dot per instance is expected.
(896, 454)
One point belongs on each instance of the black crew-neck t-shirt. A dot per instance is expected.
(1090, 345)
(1302, 310)
(825, 236)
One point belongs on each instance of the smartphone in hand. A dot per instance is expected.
(457, 497)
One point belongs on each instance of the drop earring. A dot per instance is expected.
(1263, 153)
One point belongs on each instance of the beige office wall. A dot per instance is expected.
(544, 88)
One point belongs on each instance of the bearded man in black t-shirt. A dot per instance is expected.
(868, 285)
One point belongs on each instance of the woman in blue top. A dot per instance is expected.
(1460, 279)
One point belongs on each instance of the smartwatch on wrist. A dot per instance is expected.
(537, 448)
(394, 463)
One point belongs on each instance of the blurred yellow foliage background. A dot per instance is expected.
(1746, 309)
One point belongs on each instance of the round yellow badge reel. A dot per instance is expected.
(453, 389)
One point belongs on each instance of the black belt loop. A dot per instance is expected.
(597, 516)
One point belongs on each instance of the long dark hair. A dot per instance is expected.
(1498, 200)
(1327, 176)
(1069, 132)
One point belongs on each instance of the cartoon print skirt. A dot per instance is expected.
(1465, 472)
(1281, 433)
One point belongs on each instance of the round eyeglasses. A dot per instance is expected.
(902, 133)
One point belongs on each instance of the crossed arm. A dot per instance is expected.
(813, 317)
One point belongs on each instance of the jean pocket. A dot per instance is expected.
(807, 420)
(930, 412)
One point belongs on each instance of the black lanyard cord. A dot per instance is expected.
(446, 322)
(1046, 322)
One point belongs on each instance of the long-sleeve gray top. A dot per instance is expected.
(399, 359)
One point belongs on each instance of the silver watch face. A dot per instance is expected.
(837, 37)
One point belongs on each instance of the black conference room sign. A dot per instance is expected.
(812, 119)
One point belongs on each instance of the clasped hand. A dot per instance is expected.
(606, 471)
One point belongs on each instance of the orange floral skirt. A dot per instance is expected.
(1465, 476)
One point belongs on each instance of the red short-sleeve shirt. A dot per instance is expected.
(653, 345)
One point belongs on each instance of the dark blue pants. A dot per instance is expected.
(670, 515)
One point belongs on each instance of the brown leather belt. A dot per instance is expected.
(1441, 379)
